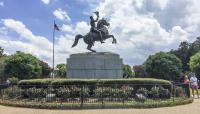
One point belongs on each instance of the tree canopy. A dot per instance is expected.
(128, 72)
(139, 71)
(22, 66)
(195, 64)
(163, 66)
(61, 70)
(46, 69)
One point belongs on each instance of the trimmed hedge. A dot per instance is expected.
(147, 83)
(57, 82)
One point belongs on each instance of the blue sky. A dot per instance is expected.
(38, 16)
(141, 27)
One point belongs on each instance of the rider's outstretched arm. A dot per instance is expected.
(97, 17)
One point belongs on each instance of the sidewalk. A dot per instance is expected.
(193, 108)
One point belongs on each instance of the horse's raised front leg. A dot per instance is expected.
(89, 48)
(114, 40)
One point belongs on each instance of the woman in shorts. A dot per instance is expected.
(194, 85)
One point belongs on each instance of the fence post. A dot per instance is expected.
(187, 88)
(102, 97)
(82, 96)
(173, 88)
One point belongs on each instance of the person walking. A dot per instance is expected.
(194, 84)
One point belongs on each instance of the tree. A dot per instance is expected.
(1, 51)
(61, 70)
(22, 66)
(195, 64)
(195, 47)
(2, 67)
(183, 53)
(2, 64)
(163, 66)
(139, 71)
(128, 72)
(46, 69)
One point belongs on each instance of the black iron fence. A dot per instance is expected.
(95, 94)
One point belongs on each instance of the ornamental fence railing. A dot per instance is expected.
(95, 94)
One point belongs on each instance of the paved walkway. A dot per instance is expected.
(193, 108)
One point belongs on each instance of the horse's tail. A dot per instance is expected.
(77, 37)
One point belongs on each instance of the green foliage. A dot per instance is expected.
(179, 92)
(103, 92)
(164, 93)
(183, 53)
(46, 69)
(159, 92)
(61, 82)
(76, 105)
(1, 52)
(63, 92)
(13, 80)
(126, 91)
(23, 66)
(163, 66)
(2, 67)
(35, 83)
(195, 64)
(61, 70)
(128, 72)
(155, 92)
(123, 92)
(12, 92)
(35, 92)
(142, 91)
(140, 71)
(195, 47)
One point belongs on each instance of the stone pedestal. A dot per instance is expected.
(100, 65)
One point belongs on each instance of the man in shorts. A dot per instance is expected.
(194, 84)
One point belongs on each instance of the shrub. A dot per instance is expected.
(39, 83)
(159, 92)
(195, 64)
(142, 91)
(61, 82)
(155, 92)
(13, 81)
(140, 97)
(63, 92)
(179, 91)
(126, 91)
(103, 92)
(35, 92)
(12, 92)
(164, 93)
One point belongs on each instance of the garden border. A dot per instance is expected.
(92, 106)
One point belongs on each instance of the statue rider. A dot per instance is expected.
(94, 28)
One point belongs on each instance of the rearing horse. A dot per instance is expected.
(101, 25)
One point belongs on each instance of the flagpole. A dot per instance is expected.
(53, 46)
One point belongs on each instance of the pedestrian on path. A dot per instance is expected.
(194, 84)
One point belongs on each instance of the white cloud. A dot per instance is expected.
(46, 1)
(62, 15)
(39, 46)
(1, 4)
(138, 30)
(67, 28)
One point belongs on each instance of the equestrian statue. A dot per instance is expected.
(97, 33)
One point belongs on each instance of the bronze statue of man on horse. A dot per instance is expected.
(97, 33)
